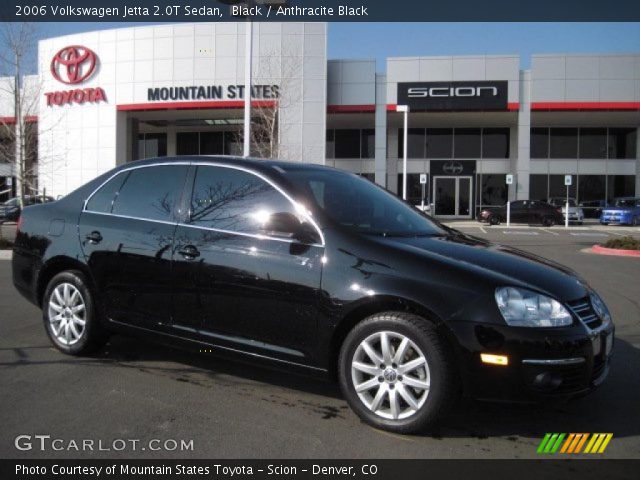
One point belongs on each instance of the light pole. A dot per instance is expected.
(404, 109)
(248, 55)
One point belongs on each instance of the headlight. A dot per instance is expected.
(599, 307)
(524, 308)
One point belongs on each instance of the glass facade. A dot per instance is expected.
(208, 143)
(414, 188)
(584, 188)
(586, 143)
(152, 145)
(351, 143)
(446, 143)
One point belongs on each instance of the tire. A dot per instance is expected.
(494, 220)
(430, 404)
(548, 221)
(68, 293)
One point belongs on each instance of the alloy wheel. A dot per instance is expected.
(67, 314)
(390, 375)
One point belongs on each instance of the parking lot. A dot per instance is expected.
(135, 389)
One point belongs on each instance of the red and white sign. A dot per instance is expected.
(73, 65)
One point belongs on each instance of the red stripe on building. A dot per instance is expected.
(585, 106)
(193, 105)
(351, 108)
(12, 120)
(391, 107)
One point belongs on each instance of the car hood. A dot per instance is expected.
(499, 263)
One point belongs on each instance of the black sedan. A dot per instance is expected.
(523, 211)
(11, 209)
(308, 267)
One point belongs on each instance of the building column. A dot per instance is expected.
(381, 130)
(520, 190)
(392, 162)
(171, 142)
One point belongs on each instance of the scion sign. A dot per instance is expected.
(473, 95)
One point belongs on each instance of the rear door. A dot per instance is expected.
(520, 211)
(126, 232)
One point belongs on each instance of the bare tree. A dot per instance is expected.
(19, 132)
(267, 127)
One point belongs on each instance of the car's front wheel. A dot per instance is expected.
(70, 316)
(397, 373)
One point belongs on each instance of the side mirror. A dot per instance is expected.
(287, 225)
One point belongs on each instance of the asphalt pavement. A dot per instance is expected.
(134, 389)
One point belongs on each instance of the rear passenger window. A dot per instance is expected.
(102, 200)
(150, 192)
(234, 200)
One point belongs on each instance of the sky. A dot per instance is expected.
(381, 40)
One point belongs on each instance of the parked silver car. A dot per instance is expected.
(576, 214)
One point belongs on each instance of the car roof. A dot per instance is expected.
(257, 164)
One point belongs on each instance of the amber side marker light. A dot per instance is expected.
(494, 359)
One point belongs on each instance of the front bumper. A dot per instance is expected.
(543, 363)
(616, 218)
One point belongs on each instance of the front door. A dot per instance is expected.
(452, 197)
(236, 284)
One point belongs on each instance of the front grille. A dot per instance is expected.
(584, 311)
(598, 367)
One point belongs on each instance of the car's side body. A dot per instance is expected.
(523, 211)
(292, 303)
(624, 211)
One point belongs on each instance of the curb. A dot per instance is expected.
(615, 251)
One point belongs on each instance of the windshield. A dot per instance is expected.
(626, 202)
(360, 205)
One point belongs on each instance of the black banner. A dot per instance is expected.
(320, 469)
(448, 96)
(317, 11)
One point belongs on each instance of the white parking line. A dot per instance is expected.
(588, 234)
(518, 232)
(483, 230)
(549, 231)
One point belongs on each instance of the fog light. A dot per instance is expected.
(547, 381)
(494, 359)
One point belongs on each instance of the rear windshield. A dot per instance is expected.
(626, 202)
(360, 205)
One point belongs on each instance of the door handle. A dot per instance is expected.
(94, 237)
(189, 252)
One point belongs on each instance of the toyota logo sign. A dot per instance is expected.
(73, 64)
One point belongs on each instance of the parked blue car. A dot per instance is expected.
(625, 211)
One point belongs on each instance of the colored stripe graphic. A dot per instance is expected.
(572, 443)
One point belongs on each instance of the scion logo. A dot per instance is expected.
(73, 64)
(422, 92)
(452, 168)
(442, 96)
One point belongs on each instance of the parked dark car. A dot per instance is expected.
(523, 211)
(593, 208)
(624, 211)
(309, 267)
(10, 210)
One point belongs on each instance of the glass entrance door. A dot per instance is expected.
(452, 197)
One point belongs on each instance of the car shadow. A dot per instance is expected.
(611, 408)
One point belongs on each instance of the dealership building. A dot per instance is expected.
(109, 97)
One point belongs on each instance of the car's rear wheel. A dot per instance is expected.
(548, 221)
(396, 372)
(494, 220)
(70, 316)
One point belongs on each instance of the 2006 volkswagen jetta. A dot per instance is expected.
(310, 267)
